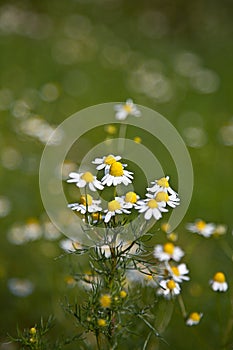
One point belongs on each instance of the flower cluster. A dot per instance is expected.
(157, 199)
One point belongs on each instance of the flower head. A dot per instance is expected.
(168, 251)
(116, 206)
(193, 319)
(87, 204)
(202, 228)
(117, 175)
(218, 283)
(85, 179)
(151, 208)
(179, 273)
(161, 196)
(161, 184)
(128, 108)
(105, 300)
(105, 162)
(169, 288)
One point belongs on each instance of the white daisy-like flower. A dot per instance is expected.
(218, 283)
(194, 318)
(115, 207)
(178, 273)
(85, 179)
(161, 184)
(202, 228)
(87, 204)
(168, 251)
(117, 175)
(151, 208)
(169, 288)
(128, 108)
(172, 200)
(105, 162)
(130, 199)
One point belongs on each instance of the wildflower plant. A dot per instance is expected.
(129, 277)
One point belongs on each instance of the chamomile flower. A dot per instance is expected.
(130, 199)
(117, 175)
(151, 208)
(179, 273)
(161, 184)
(85, 179)
(105, 162)
(202, 228)
(128, 108)
(218, 283)
(116, 206)
(87, 204)
(169, 288)
(194, 318)
(172, 200)
(167, 252)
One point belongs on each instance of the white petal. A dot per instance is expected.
(148, 214)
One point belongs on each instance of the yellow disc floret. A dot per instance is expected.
(175, 270)
(114, 205)
(88, 177)
(116, 169)
(168, 248)
(33, 330)
(200, 225)
(131, 197)
(86, 200)
(163, 182)
(162, 197)
(101, 322)
(152, 204)
(195, 316)
(105, 300)
(109, 160)
(171, 284)
(128, 108)
(123, 294)
(219, 277)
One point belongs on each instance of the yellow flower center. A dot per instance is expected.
(168, 248)
(109, 160)
(116, 169)
(152, 204)
(165, 226)
(195, 316)
(200, 225)
(123, 294)
(219, 277)
(131, 197)
(101, 322)
(149, 277)
(96, 216)
(33, 330)
(171, 284)
(128, 108)
(163, 182)
(175, 270)
(88, 177)
(137, 139)
(114, 205)
(105, 300)
(162, 197)
(86, 200)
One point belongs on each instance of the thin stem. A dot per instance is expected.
(182, 306)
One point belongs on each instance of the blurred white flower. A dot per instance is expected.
(128, 108)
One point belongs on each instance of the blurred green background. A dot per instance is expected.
(58, 57)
